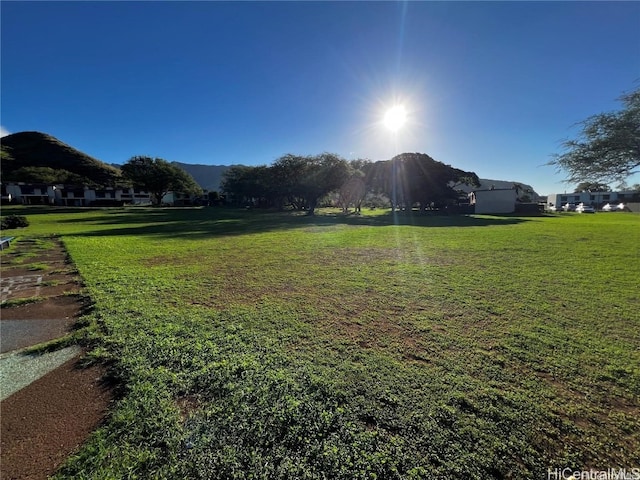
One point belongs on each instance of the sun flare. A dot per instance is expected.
(395, 118)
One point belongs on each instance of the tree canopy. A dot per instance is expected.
(301, 181)
(322, 174)
(248, 184)
(158, 177)
(607, 148)
(417, 178)
(592, 187)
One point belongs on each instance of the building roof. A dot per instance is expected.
(492, 190)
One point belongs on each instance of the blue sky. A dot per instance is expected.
(489, 87)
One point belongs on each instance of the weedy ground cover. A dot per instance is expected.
(249, 344)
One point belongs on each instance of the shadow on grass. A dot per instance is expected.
(198, 223)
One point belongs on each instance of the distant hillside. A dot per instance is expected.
(207, 176)
(26, 154)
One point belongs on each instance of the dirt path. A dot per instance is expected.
(44, 422)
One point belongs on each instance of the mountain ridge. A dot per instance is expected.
(209, 177)
(36, 150)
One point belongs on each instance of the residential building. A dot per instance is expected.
(595, 199)
(72, 196)
(29, 194)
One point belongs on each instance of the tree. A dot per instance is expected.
(158, 177)
(299, 181)
(607, 148)
(248, 185)
(287, 177)
(352, 192)
(324, 173)
(303, 180)
(417, 178)
(592, 187)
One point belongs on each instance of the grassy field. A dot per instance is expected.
(258, 345)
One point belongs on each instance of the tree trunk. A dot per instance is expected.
(312, 207)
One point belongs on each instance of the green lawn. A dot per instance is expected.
(247, 344)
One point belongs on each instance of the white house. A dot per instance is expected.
(497, 200)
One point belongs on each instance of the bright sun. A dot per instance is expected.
(395, 118)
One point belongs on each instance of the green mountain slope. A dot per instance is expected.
(207, 176)
(30, 155)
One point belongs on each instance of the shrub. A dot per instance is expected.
(14, 221)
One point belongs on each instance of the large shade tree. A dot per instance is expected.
(158, 177)
(412, 178)
(248, 185)
(302, 181)
(353, 191)
(287, 178)
(298, 181)
(607, 149)
(324, 173)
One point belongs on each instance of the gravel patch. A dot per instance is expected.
(18, 370)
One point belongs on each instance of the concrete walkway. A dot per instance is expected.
(18, 370)
(18, 334)
(50, 402)
(51, 316)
